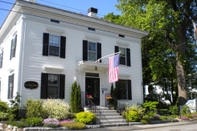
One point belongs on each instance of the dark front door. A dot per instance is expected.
(93, 89)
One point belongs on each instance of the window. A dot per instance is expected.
(52, 86)
(124, 55)
(91, 50)
(54, 45)
(10, 86)
(13, 47)
(123, 89)
(1, 59)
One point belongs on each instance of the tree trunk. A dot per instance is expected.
(181, 81)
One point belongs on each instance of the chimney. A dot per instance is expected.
(92, 12)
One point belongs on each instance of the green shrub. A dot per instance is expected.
(56, 108)
(4, 107)
(15, 107)
(145, 121)
(86, 117)
(133, 112)
(174, 110)
(34, 108)
(75, 99)
(33, 121)
(5, 116)
(74, 125)
(185, 110)
(163, 117)
(150, 105)
(131, 115)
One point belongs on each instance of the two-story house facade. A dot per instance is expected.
(54, 47)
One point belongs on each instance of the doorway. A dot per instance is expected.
(92, 86)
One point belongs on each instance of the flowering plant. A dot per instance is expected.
(51, 122)
(66, 122)
(108, 97)
(89, 96)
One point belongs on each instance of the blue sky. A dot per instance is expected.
(104, 6)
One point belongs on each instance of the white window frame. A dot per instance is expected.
(54, 44)
(92, 51)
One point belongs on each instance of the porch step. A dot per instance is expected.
(109, 117)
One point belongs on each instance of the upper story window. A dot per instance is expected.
(54, 45)
(10, 86)
(122, 56)
(13, 47)
(125, 58)
(91, 50)
(52, 86)
(1, 59)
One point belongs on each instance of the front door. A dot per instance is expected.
(93, 89)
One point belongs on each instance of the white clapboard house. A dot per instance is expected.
(43, 50)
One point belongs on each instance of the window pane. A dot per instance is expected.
(122, 60)
(92, 56)
(53, 50)
(53, 92)
(91, 46)
(54, 40)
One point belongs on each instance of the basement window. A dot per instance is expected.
(55, 21)
(92, 29)
(121, 35)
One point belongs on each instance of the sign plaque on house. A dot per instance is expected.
(31, 85)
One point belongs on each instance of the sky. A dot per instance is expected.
(104, 6)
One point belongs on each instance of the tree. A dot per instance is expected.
(75, 98)
(168, 49)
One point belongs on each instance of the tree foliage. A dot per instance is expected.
(168, 51)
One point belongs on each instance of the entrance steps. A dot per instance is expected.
(109, 117)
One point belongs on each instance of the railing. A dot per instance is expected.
(94, 109)
(118, 106)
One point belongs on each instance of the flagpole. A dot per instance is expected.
(107, 56)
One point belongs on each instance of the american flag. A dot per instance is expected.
(113, 68)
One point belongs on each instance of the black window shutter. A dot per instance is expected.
(15, 42)
(85, 50)
(62, 86)
(45, 44)
(116, 49)
(9, 78)
(99, 51)
(63, 47)
(129, 90)
(118, 93)
(11, 53)
(44, 85)
(128, 57)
